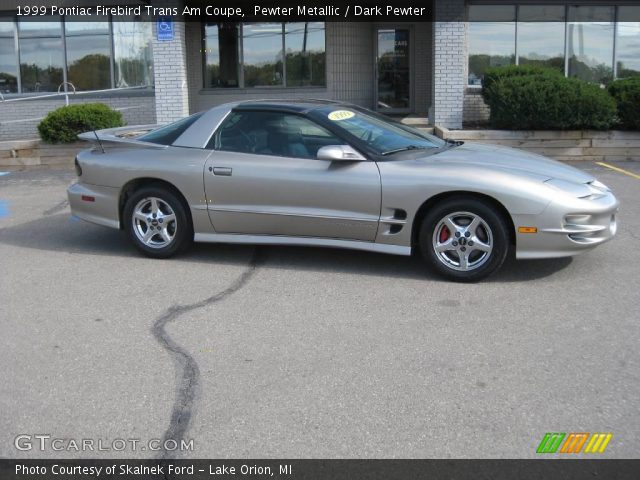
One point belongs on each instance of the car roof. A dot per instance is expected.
(297, 106)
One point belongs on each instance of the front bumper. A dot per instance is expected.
(95, 204)
(567, 227)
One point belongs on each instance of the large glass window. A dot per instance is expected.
(8, 59)
(492, 31)
(590, 43)
(264, 54)
(107, 52)
(577, 40)
(305, 55)
(541, 32)
(221, 54)
(628, 43)
(41, 55)
(133, 57)
(88, 54)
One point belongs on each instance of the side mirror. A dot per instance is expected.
(339, 153)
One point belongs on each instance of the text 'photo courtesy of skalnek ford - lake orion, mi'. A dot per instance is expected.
(331, 240)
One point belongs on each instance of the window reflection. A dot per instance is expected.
(41, 55)
(88, 54)
(88, 47)
(262, 54)
(492, 31)
(393, 69)
(8, 60)
(541, 32)
(590, 47)
(259, 51)
(222, 63)
(305, 53)
(628, 43)
(133, 58)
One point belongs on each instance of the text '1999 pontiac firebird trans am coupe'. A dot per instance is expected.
(323, 173)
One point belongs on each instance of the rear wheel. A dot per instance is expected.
(464, 240)
(157, 222)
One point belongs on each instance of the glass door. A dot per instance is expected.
(393, 70)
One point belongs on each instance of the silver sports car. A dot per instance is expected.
(336, 175)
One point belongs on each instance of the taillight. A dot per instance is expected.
(78, 167)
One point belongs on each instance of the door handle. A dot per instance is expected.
(222, 171)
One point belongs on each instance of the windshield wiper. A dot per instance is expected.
(453, 143)
(403, 149)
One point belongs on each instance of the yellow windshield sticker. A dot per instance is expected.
(338, 115)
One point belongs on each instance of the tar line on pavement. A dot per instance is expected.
(188, 373)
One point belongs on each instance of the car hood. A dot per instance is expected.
(505, 158)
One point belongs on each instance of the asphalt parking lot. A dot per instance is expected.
(299, 352)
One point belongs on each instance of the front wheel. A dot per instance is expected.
(157, 223)
(464, 240)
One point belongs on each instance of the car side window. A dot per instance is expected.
(272, 133)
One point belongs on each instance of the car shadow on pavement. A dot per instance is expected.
(65, 234)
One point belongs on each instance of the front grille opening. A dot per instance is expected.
(577, 220)
(587, 229)
(395, 229)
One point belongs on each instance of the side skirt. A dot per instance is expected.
(301, 241)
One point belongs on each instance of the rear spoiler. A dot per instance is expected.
(121, 135)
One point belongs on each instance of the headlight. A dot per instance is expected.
(599, 186)
(578, 190)
(587, 191)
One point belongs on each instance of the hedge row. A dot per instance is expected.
(537, 98)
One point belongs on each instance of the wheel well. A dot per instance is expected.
(420, 214)
(134, 185)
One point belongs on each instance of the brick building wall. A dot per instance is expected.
(170, 72)
(449, 63)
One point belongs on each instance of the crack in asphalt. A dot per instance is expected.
(187, 369)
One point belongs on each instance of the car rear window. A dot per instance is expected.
(169, 133)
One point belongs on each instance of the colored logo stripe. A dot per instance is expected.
(550, 443)
(574, 443)
(598, 443)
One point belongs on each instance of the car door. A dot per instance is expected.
(263, 178)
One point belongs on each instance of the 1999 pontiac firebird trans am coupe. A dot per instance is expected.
(329, 174)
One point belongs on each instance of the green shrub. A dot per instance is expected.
(627, 95)
(65, 123)
(496, 74)
(540, 100)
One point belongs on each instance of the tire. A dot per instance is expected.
(464, 239)
(164, 235)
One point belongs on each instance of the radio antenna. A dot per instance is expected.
(99, 142)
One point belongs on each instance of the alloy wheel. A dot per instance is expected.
(154, 222)
(462, 241)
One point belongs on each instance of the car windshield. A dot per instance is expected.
(383, 135)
